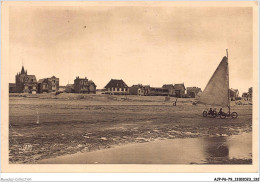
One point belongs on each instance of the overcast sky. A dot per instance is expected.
(148, 45)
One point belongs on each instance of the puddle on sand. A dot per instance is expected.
(171, 151)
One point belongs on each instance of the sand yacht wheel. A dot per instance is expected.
(234, 115)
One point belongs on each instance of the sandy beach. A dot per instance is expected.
(47, 126)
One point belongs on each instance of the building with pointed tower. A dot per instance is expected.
(25, 83)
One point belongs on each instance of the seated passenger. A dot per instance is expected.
(210, 111)
(220, 111)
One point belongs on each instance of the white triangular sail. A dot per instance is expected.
(216, 92)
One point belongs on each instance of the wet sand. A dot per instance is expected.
(171, 151)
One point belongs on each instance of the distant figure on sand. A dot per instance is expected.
(175, 102)
(38, 118)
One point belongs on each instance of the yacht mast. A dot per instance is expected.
(228, 84)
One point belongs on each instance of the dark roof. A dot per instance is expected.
(194, 89)
(137, 86)
(90, 82)
(167, 85)
(159, 88)
(179, 86)
(233, 90)
(116, 84)
(46, 79)
(41, 80)
(32, 78)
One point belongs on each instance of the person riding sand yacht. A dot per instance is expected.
(220, 111)
(210, 111)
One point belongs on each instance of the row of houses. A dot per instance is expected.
(234, 94)
(25, 83)
(119, 87)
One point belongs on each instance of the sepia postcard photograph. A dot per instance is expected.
(129, 86)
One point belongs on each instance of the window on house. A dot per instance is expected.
(114, 89)
(126, 89)
(117, 89)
